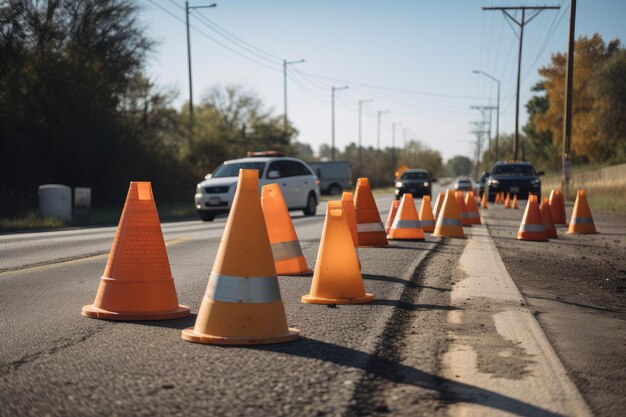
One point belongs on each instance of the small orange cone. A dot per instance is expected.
(582, 220)
(449, 221)
(472, 209)
(557, 205)
(242, 303)
(392, 214)
(497, 198)
(137, 283)
(426, 215)
(463, 214)
(532, 227)
(337, 278)
(515, 202)
(286, 249)
(406, 225)
(507, 201)
(546, 216)
(438, 204)
(369, 227)
(483, 202)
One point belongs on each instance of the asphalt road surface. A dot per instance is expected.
(437, 340)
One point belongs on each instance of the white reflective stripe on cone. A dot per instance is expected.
(532, 228)
(370, 227)
(405, 224)
(448, 222)
(582, 220)
(286, 250)
(231, 289)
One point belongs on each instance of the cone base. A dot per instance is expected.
(295, 274)
(407, 239)
(309, 299)
(97, 313)
(190, 335)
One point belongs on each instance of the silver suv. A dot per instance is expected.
(300, 186)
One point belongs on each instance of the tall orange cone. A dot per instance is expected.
(337, 278)
(438, 204)
(426, 215)
(392, 214)
(242, 303)
(532, 227)
(406, 225)
(463, 214)
(286, 249)
(514, 205)
(369, 227)
(582, 220)
(483, 202)
(557, 205)
(137, 283)
(507, 201)
(347, 199)
(449, 221)
(546, 216)
(472, 208)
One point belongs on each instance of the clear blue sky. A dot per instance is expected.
(422, 53)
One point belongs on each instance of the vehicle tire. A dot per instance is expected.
(335, 189)
(206, 216)
(311, 205)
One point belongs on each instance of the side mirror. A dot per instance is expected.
(273, 175)
(540, 173)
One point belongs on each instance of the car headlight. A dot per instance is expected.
(198, 189)
(535, 183)
(494, 182)
(426, 184)
(399, 184)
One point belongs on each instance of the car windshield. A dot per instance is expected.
(232, 170)
(414, 176)
(514, 170)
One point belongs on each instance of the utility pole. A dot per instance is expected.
(497, 113)
(360, 128)
(285, 63)
(534, 12)
(479, 132)
(567, 121)
(483, 111)
(332, 121)
(187, 8)
(380, 113)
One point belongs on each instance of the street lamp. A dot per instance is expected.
(332, 94)
(187, 8)
(360, 127)
(285, 63)
(497, 106)
(380, 113)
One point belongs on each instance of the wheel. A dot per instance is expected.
(206, 216)
(334, 189)
(311, 205)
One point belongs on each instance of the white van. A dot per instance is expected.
(299, 184)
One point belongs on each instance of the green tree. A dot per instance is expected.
(459, 165)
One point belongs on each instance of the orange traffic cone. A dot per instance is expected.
(532, 227)
(464, 215)
(137, 283)
(507, 201)
(514, 205)
(406, 225)
(369, 227)
(242, 303)
(546, 216)
(472, 209)
(347, 199)
(337, 278)
(392, 214)
(557, 205)
(483, 202)
(438, 204)
(449, 221)
(498, 198)
(582, 220)
(426, 215)
(286, 249)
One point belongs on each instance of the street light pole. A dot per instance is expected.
(380, 113)
(497, 107)
(360, 128)
(333, 89)
(187, 8)
(285, 63)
